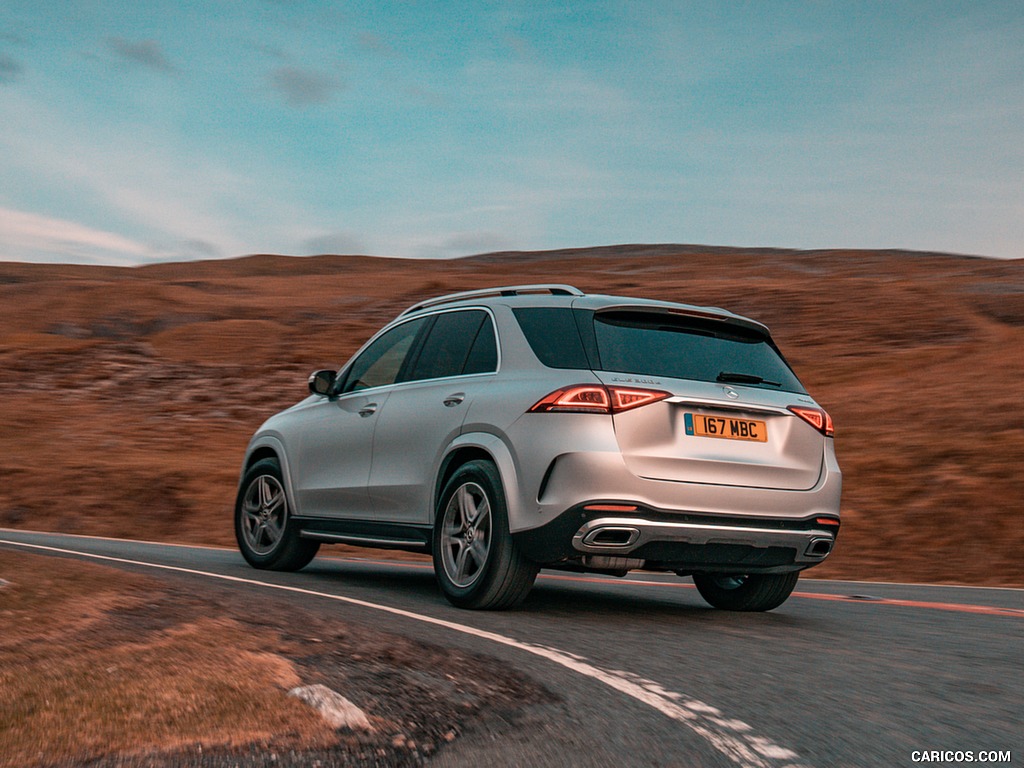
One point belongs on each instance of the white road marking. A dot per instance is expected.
(733, 738)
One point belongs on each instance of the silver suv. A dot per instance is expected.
(515, 428)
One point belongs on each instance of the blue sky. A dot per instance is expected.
(133, 132)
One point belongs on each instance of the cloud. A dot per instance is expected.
(303, 88)
(526, 86)
(46, 239)
(10, 70)
(175, 203)
(144, 53)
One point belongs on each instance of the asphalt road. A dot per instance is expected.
(843, 674)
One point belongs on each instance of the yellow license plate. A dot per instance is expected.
(726, 427)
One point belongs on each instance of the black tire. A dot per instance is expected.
(476, 562)
(754, 592)
(266, 535)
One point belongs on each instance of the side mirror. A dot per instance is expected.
(322, 382)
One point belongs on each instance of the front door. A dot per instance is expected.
(332, 460)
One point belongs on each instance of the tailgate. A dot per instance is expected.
(701, 435)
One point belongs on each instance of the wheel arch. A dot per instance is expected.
(480, 446)
(269, 447)
(263, 452)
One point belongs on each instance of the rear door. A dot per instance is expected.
(727, 421)
(425, 412)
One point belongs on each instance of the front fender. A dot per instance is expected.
(262, 443)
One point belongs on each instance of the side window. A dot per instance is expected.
(452, 343)
(483, 356)
(380, 362)
(553, 336)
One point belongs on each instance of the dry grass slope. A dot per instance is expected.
(109, 669)
(128, 395)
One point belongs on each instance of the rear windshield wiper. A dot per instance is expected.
(745, 378)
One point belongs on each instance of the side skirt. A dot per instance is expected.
(366, 533)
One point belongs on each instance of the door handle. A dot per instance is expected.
(452, 400)
(368, 410)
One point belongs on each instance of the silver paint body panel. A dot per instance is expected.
(376, 454)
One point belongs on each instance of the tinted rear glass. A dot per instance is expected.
(553, 336)
(657, 344)
(451, 344)
(483, 356)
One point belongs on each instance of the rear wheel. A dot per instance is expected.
(263, 523)
(475, 559)
(753, 592)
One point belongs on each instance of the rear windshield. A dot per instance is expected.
(656, 344)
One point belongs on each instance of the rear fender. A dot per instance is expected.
(499, 453)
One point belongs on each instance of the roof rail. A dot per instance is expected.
(508, 290)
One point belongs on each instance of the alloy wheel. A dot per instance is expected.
(264, 512)
(466, 534)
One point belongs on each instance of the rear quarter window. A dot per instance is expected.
(553, 336)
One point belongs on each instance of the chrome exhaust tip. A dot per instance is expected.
(819, 547)
(611, 536)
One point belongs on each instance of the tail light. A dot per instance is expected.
(816, 417)
(595, 398)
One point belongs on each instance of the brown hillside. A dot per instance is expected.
(127, 395)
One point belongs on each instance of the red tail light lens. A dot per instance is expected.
(816, 417)
(595, 398)
(583, 398)
(624, 399)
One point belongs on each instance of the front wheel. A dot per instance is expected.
(477, 563)
(753, 592)
(263, 523)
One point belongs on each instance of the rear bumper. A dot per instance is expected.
(686, 543)
(556, 515)
(570, 479)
